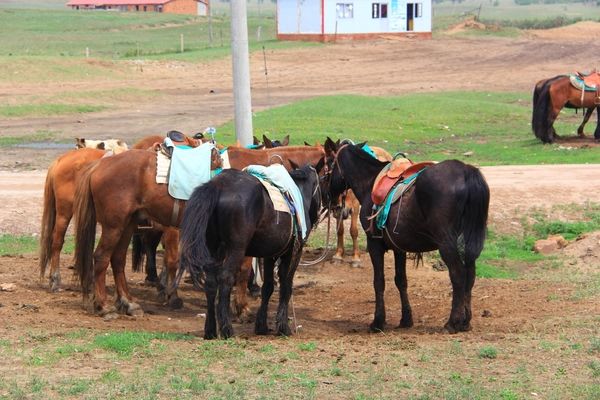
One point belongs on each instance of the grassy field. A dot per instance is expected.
(477, 127)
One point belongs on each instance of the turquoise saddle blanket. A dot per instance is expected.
(580, 84)
(382, 212)
(190, 168)
(280, 177)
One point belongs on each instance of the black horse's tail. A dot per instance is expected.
(475, 214)
(137, 252)
(540, 120)
(194, 253)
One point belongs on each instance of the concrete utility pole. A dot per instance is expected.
(241, 72)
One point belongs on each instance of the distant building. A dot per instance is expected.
(327, 20)
(192, 7)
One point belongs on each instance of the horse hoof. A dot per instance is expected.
(175, 303)
(356, 264)
(105, 311)
(210, 336)
(134, 310)
(405, 324)
(376, 328)
(226, 332)
(284, 330)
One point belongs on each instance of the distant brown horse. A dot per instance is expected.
(120, 193)
(550, 96)
(59, 193)
(351, 208)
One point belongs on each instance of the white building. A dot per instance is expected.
(327, 20)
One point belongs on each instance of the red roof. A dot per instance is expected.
(115, 2)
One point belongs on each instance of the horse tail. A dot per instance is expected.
(475, 214)
(85, 231)
(194, 253)
(48, 220)
(137, 252)
(539, 120)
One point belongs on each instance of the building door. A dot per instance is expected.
(410, 16)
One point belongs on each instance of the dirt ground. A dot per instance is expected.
(329, 299)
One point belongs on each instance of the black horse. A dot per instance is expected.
(445, 209)
(232, 217)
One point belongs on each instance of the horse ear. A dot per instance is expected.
(361, 145)
(198, 135)
(306, 143)
(79, 143)
(286, 140)
(320, 164)
(330, 146)
(267, 142)
(293, 164)
(101, 146)
(255, 140)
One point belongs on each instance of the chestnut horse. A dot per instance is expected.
(351, 208)
(550, 96)
(446, 209)
(121, 193)
(59, 192)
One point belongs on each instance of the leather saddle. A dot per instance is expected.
(178, 139)
(394, 172)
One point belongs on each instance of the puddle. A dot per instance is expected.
(45, 145)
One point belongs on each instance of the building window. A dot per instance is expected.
(379, 10)
(137, 8)
(345, 10)
(159, 8)
(145, 8)
(418, 10)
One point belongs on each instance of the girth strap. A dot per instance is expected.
(175, 213)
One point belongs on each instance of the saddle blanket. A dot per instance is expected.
(280, 177)
(188, 168)
(580, 84)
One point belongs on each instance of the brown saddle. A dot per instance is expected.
(591, 79)
(397, 170)
(178, 139)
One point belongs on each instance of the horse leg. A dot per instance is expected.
(597, 131)
(459, 319)
(170, 239)
(261, 327)
(226, 280)
(102, 256)
(118, 259)
(339, 252)
(150, 241)
(354, 233)
(586, 118)
(406, 321)
(376, 252)
(58, 240)
(210, 290)
(241, 287)
(287, 268)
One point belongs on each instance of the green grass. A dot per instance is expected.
(14, 245)
(503, 253)
(40, 136)
(126, 343)
(491, 128)
(27, 110)
(508, 10)
(117, 35)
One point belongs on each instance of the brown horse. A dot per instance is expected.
(59, 192)
(120, 193)
(351, 208)
(550, 96)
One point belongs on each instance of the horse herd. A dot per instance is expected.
(231, 218)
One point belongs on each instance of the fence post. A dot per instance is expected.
(181, 43)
